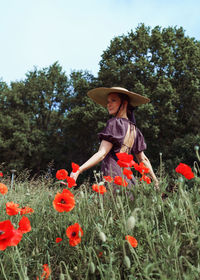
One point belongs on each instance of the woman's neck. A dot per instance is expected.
(122, 115)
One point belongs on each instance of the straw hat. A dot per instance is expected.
(99, 95)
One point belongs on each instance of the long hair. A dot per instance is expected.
(130, 108)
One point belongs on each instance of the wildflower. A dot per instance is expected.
(26, 210)
(3, 189)
(130, 223)
(75, 167)
(71, 182)
(46, 272)
(12, 208)
(125, 160)
(58, 239)
(74, 233)
(120, 181)
(141, 168)
(185, 170)
(61, 174)
(9, 236)
(100, 254)
(24, 225)
(1, 174)
(146, 179)
(99, 189)
(64, 201)
(128, 173)
(108, 178)
(102, 236)
(132, 241)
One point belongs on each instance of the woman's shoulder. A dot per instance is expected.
(118, 121)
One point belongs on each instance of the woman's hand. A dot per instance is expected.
(75, 175)
(156, 185)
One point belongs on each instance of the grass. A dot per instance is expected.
(167, 231)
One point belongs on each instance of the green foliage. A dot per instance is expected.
(167, 232)
(164, 65)
(32, 116)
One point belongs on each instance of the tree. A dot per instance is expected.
(164, 65)
(32, 114)
(84, 120)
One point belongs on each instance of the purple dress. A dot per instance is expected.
(115, 132)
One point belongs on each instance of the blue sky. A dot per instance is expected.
(76, 32)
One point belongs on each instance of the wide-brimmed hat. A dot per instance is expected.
(99, 95)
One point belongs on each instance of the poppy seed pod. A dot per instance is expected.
(130, 222)
(127, 262)
(102, 236)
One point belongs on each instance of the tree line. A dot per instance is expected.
(48, 118)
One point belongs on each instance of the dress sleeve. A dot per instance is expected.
(114, 132)
(139, 144)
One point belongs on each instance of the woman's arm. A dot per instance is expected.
(104, 149)
(141, 157)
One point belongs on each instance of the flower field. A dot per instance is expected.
(50, 229)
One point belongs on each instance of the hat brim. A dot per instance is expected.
(99, 95)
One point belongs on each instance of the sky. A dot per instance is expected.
(37, 33)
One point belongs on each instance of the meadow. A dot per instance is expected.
(165, 223)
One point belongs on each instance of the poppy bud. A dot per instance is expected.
(180, 179)
(92, 268)
(62, 276)
(110, 220)
(130, 223)
(127, 262)
(102, 236)
(196, 148)
(82, 194)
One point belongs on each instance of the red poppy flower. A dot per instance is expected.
(46, 272)
(24, 225)
(108, 178)
(99, 189)
(9, 236)
(185, 170)
(75, 167)
(3, 189)
(1, 174)
(58, 239)
(64, 201)
(128, 173)
(146, 179)
(12, 208)
(71, 182)
(132, 241)
(74, 233)
(120, 181)
(141, 168)
(125, 160)
(61, 174)
(26, 210)
(100, 254)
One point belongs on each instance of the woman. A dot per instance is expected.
(120, 133)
